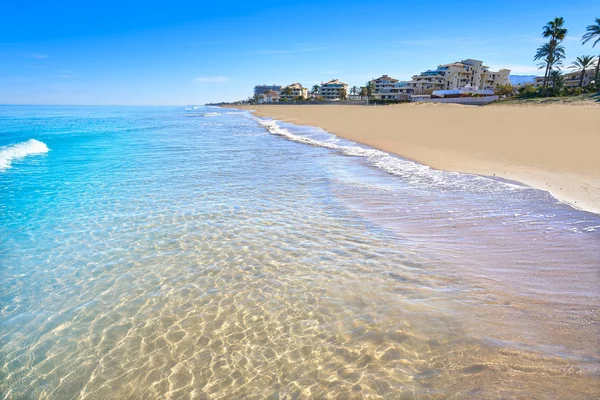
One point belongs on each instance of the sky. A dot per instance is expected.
(193, 52)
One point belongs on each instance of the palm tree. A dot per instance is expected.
(581, 64)
(269, 94)
(363, 91)
(555, 31)
(343, 94)
(552, 56)
(315, 90)
(593, 32)
(354, 90)
(557, 79)
(287, 93)
(370, 88)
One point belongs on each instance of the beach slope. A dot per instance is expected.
(550, 147)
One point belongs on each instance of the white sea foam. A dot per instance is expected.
(20, 150)
(414, 173)
(216, 114)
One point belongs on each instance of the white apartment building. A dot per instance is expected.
(457, 75)
(270, 96)
(383, 83)
(296, 91)
(388, 88)
(332, 90)
(571, 79)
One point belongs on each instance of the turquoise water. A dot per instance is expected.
(162, 252)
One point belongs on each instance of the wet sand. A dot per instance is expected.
(549, 147)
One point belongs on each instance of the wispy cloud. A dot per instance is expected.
(67, 74)
(212, 79)
(38, 56)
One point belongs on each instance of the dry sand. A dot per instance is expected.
(550, 147)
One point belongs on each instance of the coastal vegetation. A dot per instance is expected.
(551, 56)
(593, 33)
(552, 52)
(582, 63)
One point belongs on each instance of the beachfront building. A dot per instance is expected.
(388, 88)
(538, 81)
(270, 96)
(262, 89)
(383, 84)
(457, 75)
(333, 90)
(292, 92)
(572, 79)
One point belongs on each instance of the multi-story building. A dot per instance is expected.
(262, 89)
(458, 75)
(333, 89)
(388, 88)
(295, 90)
(383, 83)
(270, 96)
(572, 79)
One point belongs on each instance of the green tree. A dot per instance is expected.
(505, 90)
(556, 32)
(593, 33)
(370, 88)
(581, 64)
(552, 56)
(315, 90)
(343, 94)
(286, 93)
(363, 91)
(557, 80)
(354, 90)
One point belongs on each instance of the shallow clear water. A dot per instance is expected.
(163, 252)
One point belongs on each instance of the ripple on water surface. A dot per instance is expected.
(204, 258)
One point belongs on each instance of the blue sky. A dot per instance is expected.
(192, 52)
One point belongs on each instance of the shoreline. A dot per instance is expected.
(547, 147)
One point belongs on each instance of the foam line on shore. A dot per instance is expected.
(412, 172)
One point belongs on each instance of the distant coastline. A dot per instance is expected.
(549, 147)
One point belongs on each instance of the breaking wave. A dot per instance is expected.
(20, 150)
(413, 173)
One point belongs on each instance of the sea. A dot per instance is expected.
(205, 253)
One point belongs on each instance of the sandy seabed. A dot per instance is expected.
(550, 147)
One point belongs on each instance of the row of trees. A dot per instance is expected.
(552, 54)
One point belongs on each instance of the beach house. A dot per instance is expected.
(333, 90)
(293, 91)
(457, 75)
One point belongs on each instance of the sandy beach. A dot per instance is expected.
(549, 147)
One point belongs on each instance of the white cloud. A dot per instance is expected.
(212, 79)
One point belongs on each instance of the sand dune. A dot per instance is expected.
(550, 147)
